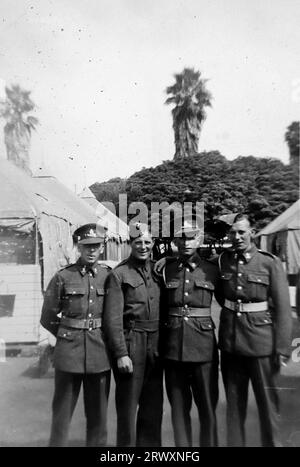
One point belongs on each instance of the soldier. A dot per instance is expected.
(254, 333)
(189, 343)
(131, 322)
(77, 292)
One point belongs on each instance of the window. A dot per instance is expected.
(16, 247)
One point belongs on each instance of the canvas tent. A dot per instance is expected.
(119, 247)
(282, 237)
(37, 218)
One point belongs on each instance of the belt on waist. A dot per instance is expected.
(145, 325)
(81, 323)
(246, 307)
(192, 312)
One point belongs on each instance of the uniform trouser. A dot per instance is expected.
(187, 379)
(139, 396)
(95, 392)
(237, 371)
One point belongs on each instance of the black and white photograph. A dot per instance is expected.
(149, 226)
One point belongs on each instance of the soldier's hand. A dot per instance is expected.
(279, 361)
(283, 360)
(159, 265)
(124, 364)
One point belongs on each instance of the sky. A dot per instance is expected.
(98, 70)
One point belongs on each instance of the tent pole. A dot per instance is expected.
(36, 243)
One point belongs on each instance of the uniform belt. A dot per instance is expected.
(192, 312)
(246, 307)
(146, 325)
(81, 323)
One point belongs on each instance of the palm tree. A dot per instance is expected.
(292, 137)
(190, 96)
(19, 125)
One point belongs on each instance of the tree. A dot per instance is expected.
(292, 137)
(261, 187)
(190, 96)
(18, 126)
(109, 191)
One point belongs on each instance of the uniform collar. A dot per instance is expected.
(85, 268)
(139, 264)
(248, 255)
(191, 262)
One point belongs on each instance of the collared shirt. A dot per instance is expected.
(133, 294)
(254, 277)
(77, 291)
(188, 284)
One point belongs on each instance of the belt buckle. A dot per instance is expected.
(238, 306)
(186, 311)
(91, 323)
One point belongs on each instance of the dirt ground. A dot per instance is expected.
(25, 407)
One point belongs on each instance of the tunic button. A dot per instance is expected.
(187, 269)
(92, 288)
(91, 301)
(239, 287)
(186, 294)
(90, 315)
(185, 318)
(258, 280)
(240, 274)
(90, 274)
(187, 281)
(241, 262)
(239, 314)
(186, 306)
(90, 329)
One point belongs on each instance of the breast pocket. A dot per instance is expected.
(134, 290)
(203, 290)
(73, 299)
(258, 286)
(100, 291)
(73, 291)
(173, 293)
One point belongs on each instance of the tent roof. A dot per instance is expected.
(22, 196)
(66, 197)
(288, 220)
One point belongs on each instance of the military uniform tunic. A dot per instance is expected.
(250, 341)
(77, 292)
(190, 285)
(255, 276)
(189, 347)
(131, 324)
(75, 297)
